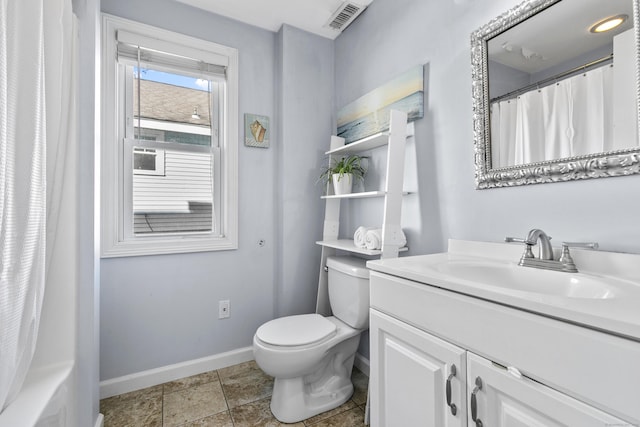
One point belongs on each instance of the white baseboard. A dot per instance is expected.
(362, 363)
(100, 421)
(151, 377)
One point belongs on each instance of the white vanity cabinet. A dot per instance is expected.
(412, 385)
(497, 398)
(413, 374)
(560, 374)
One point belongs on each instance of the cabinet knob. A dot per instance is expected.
(474, 402)
(452, 373)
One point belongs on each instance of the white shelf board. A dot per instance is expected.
(348, 245)
(361, 195)
(368, 143)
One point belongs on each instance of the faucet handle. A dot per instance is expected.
(515, 240)
(583, 245)
(527, 250)
(565, 258)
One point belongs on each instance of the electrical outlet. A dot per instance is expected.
(224, 309)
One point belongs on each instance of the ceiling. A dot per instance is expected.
(309, 15)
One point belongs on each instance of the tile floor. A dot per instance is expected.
(231, 397)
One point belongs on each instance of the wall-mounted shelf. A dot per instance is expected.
(368, 143)
(392, 244)
(361, 195)
(349, 246)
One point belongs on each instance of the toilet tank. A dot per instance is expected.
(349, 290)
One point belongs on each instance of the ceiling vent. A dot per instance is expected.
(344, 16)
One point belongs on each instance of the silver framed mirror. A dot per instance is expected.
(523, 132)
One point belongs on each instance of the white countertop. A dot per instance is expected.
(619, 315)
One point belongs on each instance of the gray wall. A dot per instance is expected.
(163, 309)
(305, 107)
(160, 310)
(393, 35)
(504, 79)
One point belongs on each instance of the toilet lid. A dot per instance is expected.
(296, 330)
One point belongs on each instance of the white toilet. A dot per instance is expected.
(311, 356)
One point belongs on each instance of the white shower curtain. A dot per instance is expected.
(502, 113)
(569, 118)
(530, 125)
(36, 125)
(593, 107)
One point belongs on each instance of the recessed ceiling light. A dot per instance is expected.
(608, 24)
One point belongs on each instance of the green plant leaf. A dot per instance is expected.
(351, 164)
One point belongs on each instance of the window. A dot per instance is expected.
(169, 146)
(148, 161)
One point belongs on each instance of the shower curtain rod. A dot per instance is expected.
(544, 82)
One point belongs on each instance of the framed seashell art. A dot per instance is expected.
(257, 130)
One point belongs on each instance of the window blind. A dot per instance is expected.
(159, 53)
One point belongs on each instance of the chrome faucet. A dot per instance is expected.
(545, 258)
(536, 235)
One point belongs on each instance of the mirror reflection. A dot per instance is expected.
(562, 83)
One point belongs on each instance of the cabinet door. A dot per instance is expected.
(409, 374)
(504, 400)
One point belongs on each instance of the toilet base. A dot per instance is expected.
(298, 406)
(296, 399)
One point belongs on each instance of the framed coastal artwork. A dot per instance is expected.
(257, 130)
(369, 114)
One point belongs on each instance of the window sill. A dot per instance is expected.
(164, 246)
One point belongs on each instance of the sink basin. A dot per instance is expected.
(604, 295)
(526, 279)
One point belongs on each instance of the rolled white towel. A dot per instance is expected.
(359, 236)
(373, 239)
(403, 239)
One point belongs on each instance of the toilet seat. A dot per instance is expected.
(297, 330)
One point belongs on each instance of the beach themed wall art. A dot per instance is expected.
(257, 130)
(369, 114)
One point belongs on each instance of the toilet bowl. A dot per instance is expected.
(311, 356)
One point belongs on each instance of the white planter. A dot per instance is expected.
(342, 184)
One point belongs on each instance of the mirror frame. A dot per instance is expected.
(599, 165)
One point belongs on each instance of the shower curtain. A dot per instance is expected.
(569, 118)
(37, 126)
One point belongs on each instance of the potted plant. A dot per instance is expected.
(343, 172)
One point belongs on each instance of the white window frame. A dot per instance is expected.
(116, 239)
